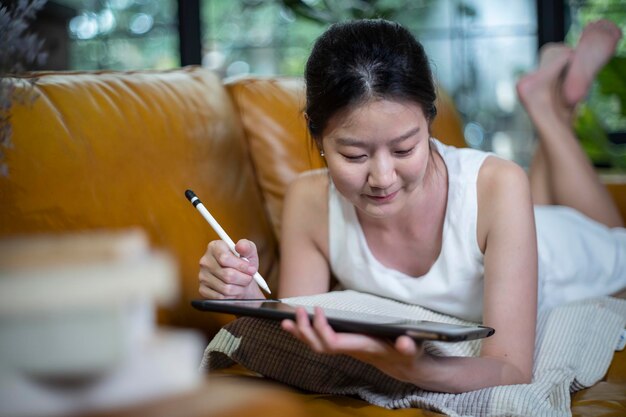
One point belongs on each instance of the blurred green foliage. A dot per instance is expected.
(605, 112)
(332, 11)
(612, 81)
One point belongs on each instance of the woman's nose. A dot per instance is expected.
(382, 173)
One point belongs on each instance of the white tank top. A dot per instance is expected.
(454, 284)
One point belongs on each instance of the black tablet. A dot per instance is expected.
(349, 321)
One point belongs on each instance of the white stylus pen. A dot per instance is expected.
(193, 198)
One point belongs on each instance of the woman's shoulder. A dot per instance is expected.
(503, 195)
(310, 182)
(309, 190)
(501, 186)
(499, 173)
(305, 212)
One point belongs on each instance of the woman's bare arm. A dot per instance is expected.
(304, 265)
(506, 219)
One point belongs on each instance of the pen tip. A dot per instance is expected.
(189, 194)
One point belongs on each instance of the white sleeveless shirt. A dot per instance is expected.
(578, 257)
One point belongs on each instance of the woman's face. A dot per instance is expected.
(377, 154)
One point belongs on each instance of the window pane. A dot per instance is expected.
(257, 37)
(123, 34)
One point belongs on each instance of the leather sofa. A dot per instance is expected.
(111, 150)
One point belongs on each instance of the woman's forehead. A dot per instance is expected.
(376, 115)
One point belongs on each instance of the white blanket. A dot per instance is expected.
(574, 347)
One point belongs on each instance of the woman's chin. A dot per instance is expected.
(379, 211)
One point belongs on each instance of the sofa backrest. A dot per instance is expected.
(111, 150)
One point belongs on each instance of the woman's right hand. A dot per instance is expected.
(225, 275)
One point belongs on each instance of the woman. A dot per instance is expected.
(403, 216)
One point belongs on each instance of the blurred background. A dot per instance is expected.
(478, 49)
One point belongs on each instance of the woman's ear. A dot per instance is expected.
(320, 146)
(307, 120)
(317, 141)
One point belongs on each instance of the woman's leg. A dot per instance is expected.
(539, 173)
(539, 179)
(561, 172)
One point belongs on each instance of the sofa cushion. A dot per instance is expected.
(117, 149)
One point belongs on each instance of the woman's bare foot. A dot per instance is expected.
(552, 51)
(540, 91)
(596, 46)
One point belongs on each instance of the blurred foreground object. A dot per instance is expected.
(77, 324)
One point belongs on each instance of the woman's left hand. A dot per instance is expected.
(399, 360)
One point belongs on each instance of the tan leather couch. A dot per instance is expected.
(109, 150)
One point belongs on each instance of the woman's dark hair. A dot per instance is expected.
(356, 61)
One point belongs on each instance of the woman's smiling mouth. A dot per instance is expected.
(382, 199)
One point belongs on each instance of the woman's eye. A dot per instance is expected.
(353, 157)
(404, 152)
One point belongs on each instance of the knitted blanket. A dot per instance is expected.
(574, 347)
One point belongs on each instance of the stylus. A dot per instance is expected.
(193, 198)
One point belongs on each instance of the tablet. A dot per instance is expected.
(350, 321)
